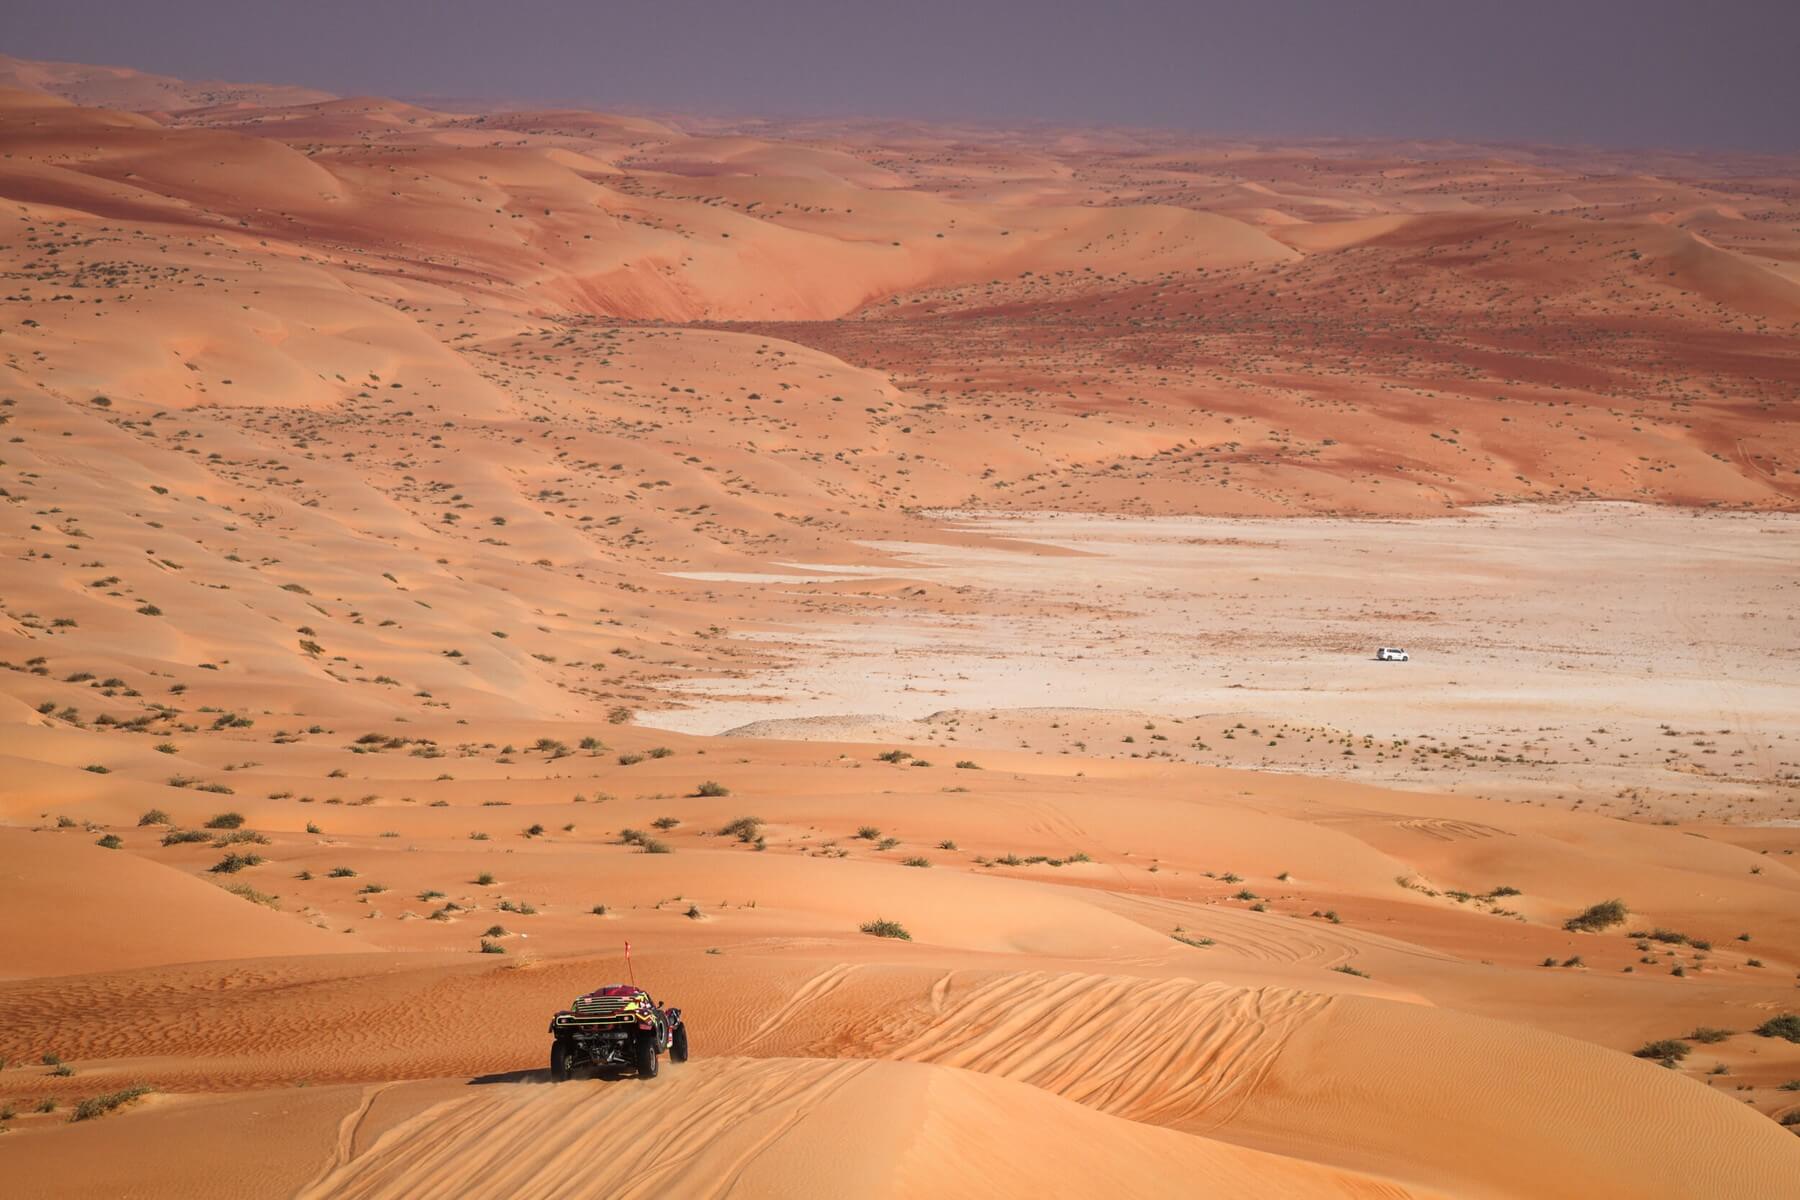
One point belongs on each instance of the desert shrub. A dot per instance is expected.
(659, 752)
(652, 846)
(1347, 969)
(226, 820)
(881, 927)
(915, 861)
(111, 841)
(155, 816)
(341, 873)
(99, 1106)
(947, 844)
(712, 787)
(665, 823)
(744, 829)
(868, 833)
(1596, 917)
(1191, 939)
(534, 831)
(490, 947)
(967, 765)
(1667, 1051)
(599, 910)
(238, 837)
(887, 843)
(245, 891)
(1708, 1035)
(485, 879)
(894, 756)
(176, 837)
(628, 760)
(633, 837)
(234, 862)
(693, 912)
(497, 931)
(1787, 1026)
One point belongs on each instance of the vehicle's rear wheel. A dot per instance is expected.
(678, 1050)
(645, 1057)
(559, 1061)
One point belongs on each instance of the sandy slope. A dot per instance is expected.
(781, 1127)
(390, 477)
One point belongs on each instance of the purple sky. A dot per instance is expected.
(1720, 74)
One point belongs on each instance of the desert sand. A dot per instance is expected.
(445, 545)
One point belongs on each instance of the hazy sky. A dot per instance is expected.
(1725, 73)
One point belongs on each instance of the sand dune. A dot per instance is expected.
(444, 545)
(780, 1127)
(97, 910)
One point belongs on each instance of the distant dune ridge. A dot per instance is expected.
(396, 491)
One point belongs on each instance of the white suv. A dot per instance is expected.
(1391, 654)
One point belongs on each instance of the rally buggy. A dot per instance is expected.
(612, 1027)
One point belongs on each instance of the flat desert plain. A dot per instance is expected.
(919, 586)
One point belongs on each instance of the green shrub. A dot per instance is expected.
(252, 895)
(1600, 916)
(485, 879)
(868, 833)
(1347, 969)
(712, 787)
(744, 829)
(967, 765)
(881, 927)
(234, 862)
(1668, 1051)
(1787, 1026)
(99, 1106)
(226, 820)
(111, 841)
(1708, 1035)
(341, 873)
(915, 861)
(176, 837)
(488, 947)
(155, 816)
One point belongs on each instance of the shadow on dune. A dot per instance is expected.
(543, 1076)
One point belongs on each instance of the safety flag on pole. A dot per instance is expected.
(632, 971)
